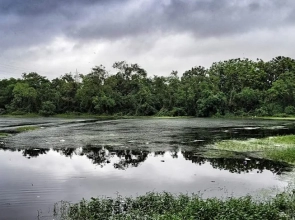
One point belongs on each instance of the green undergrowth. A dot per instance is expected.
(280, 148)
(26, 128)
(168, 206)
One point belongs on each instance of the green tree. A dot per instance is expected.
(91, 89)
(24, 98)
(6, 93)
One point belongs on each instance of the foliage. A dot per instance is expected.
(290, 110)
(47, 108)
(167, 206)
(240, 87)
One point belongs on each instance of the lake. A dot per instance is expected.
(71, 159)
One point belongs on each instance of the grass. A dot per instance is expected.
(280, 148)
(84, 115)
(26, 128)
(168, 206)
(3, 135)
(74, 115)
(277, 118)
(27, 115)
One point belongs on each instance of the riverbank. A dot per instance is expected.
(117, 116)
(168, 206)
(92, 116)
(276, 118)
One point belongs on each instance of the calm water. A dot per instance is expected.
(72, 159)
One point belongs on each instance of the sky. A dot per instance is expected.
(54, 37)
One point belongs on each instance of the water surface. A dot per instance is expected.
(72, 159)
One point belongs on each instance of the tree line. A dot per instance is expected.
(241, 87)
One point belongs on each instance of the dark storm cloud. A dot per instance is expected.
(202, 18)
(224, 17)
(25, 23)
(40, 7)
(30, 22)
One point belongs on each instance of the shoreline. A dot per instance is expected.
(94, 116)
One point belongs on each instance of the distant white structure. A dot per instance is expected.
(77, 77)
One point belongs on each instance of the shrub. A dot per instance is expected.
(47, 108)
(168, 206)
(290, 110)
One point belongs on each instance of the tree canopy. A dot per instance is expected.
(231, 87)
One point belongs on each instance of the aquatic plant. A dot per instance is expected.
(280, 148)
(26, 128)
(3, 135)
(168, 206)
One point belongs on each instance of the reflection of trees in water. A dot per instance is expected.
(238, 165)
(34, 152)
(68, 152)
(4, 148)
(101, 155)
(159, 153)
(28, 152)
(126, 158)
(130, 158)
(174, 154)
(98, 155)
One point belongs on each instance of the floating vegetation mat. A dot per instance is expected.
(279, 148)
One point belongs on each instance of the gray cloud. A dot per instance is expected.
(30, 22)
(203, 18)
(40, 7)
(54, 36)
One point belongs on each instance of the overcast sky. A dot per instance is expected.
(53, 37)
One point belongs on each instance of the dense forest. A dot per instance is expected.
(241, 87)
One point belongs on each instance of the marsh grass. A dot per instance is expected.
(26, 128)
(277, 118)
(168, 206)
(3, 135)
(20, 115)
(286, 155)
(280, 148)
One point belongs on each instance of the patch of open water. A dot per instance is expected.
(72, 159)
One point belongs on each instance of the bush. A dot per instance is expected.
(168, 206)
(146, 109)
(2, 111)
(273, 108)
(178, 112)
(47, 109)
(18, 112)
(163, 112)
(262, 111)
(290, 110)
